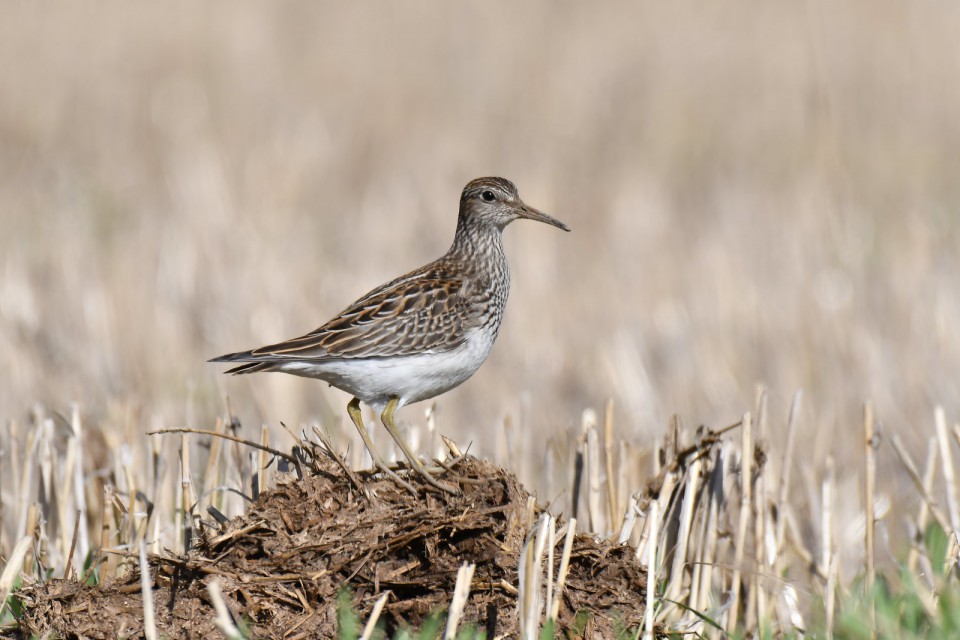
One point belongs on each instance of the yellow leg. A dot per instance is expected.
(353, 410)
(387, 418)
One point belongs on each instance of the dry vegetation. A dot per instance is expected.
(282, 565)
(759, 194)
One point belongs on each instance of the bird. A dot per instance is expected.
(419, 335)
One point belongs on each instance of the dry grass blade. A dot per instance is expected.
(790, 605)
(914, 475)
(786, 466)
(826, 518)
(550, 548)
(746, 462)
(648, 616)
(613, 500)
(663, 498)
(185, 488)
(26, 483)
(328, 450)
(871, 443)
(73, 547)
(452, 447)
(831, 596)
(227, 436)
(929, 473)
(262, 461)
(79, 486)
(146, 589)
(564, 567)
(107, 535)
(629, 521)
(595, 509)
(224, 620)
(210, 476)
(682, 551)
(531, 577)
(953, 554)
(461, 592)
(946, 457)
(10, 571)
(371, 625)
(708, 551)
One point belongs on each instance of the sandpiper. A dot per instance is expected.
(419, 335)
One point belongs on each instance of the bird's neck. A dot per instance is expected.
(480, 250)
(477, 242)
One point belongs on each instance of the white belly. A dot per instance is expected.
(409, 378)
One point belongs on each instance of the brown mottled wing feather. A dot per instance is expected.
(424, 311)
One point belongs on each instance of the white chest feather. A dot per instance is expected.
(409, 378)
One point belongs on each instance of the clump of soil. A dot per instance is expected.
(282, 565)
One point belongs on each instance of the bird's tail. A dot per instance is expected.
(247, 366)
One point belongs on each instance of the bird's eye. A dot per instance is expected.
(488, 196)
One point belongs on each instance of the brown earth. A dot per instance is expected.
(282, 565)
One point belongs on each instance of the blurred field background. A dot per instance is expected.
(759, 194)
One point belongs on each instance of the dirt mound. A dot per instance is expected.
(282, 565)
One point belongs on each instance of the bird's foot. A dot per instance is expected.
(390, 473)
(433, 482)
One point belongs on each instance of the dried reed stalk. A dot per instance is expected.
(826, 517)
(929, 474)
(551, 544)
(595, 510)
(224, 620)
(870, 480)
(15, 562)
(146, 590)
(371, 625)
(709, 554)
(830, 596)
(946, 458)
(746, 461)
(613, 502)
(186, 521)
(681, 550)
(211, 479)
(783, 491)
(914, 475)
(629, 521)
(79, 486)
(652, 518)
(531, 559)
(263, 460)
(564, 566)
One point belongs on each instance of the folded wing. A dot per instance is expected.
(424, 312)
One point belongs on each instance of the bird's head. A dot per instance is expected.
(495, 202)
